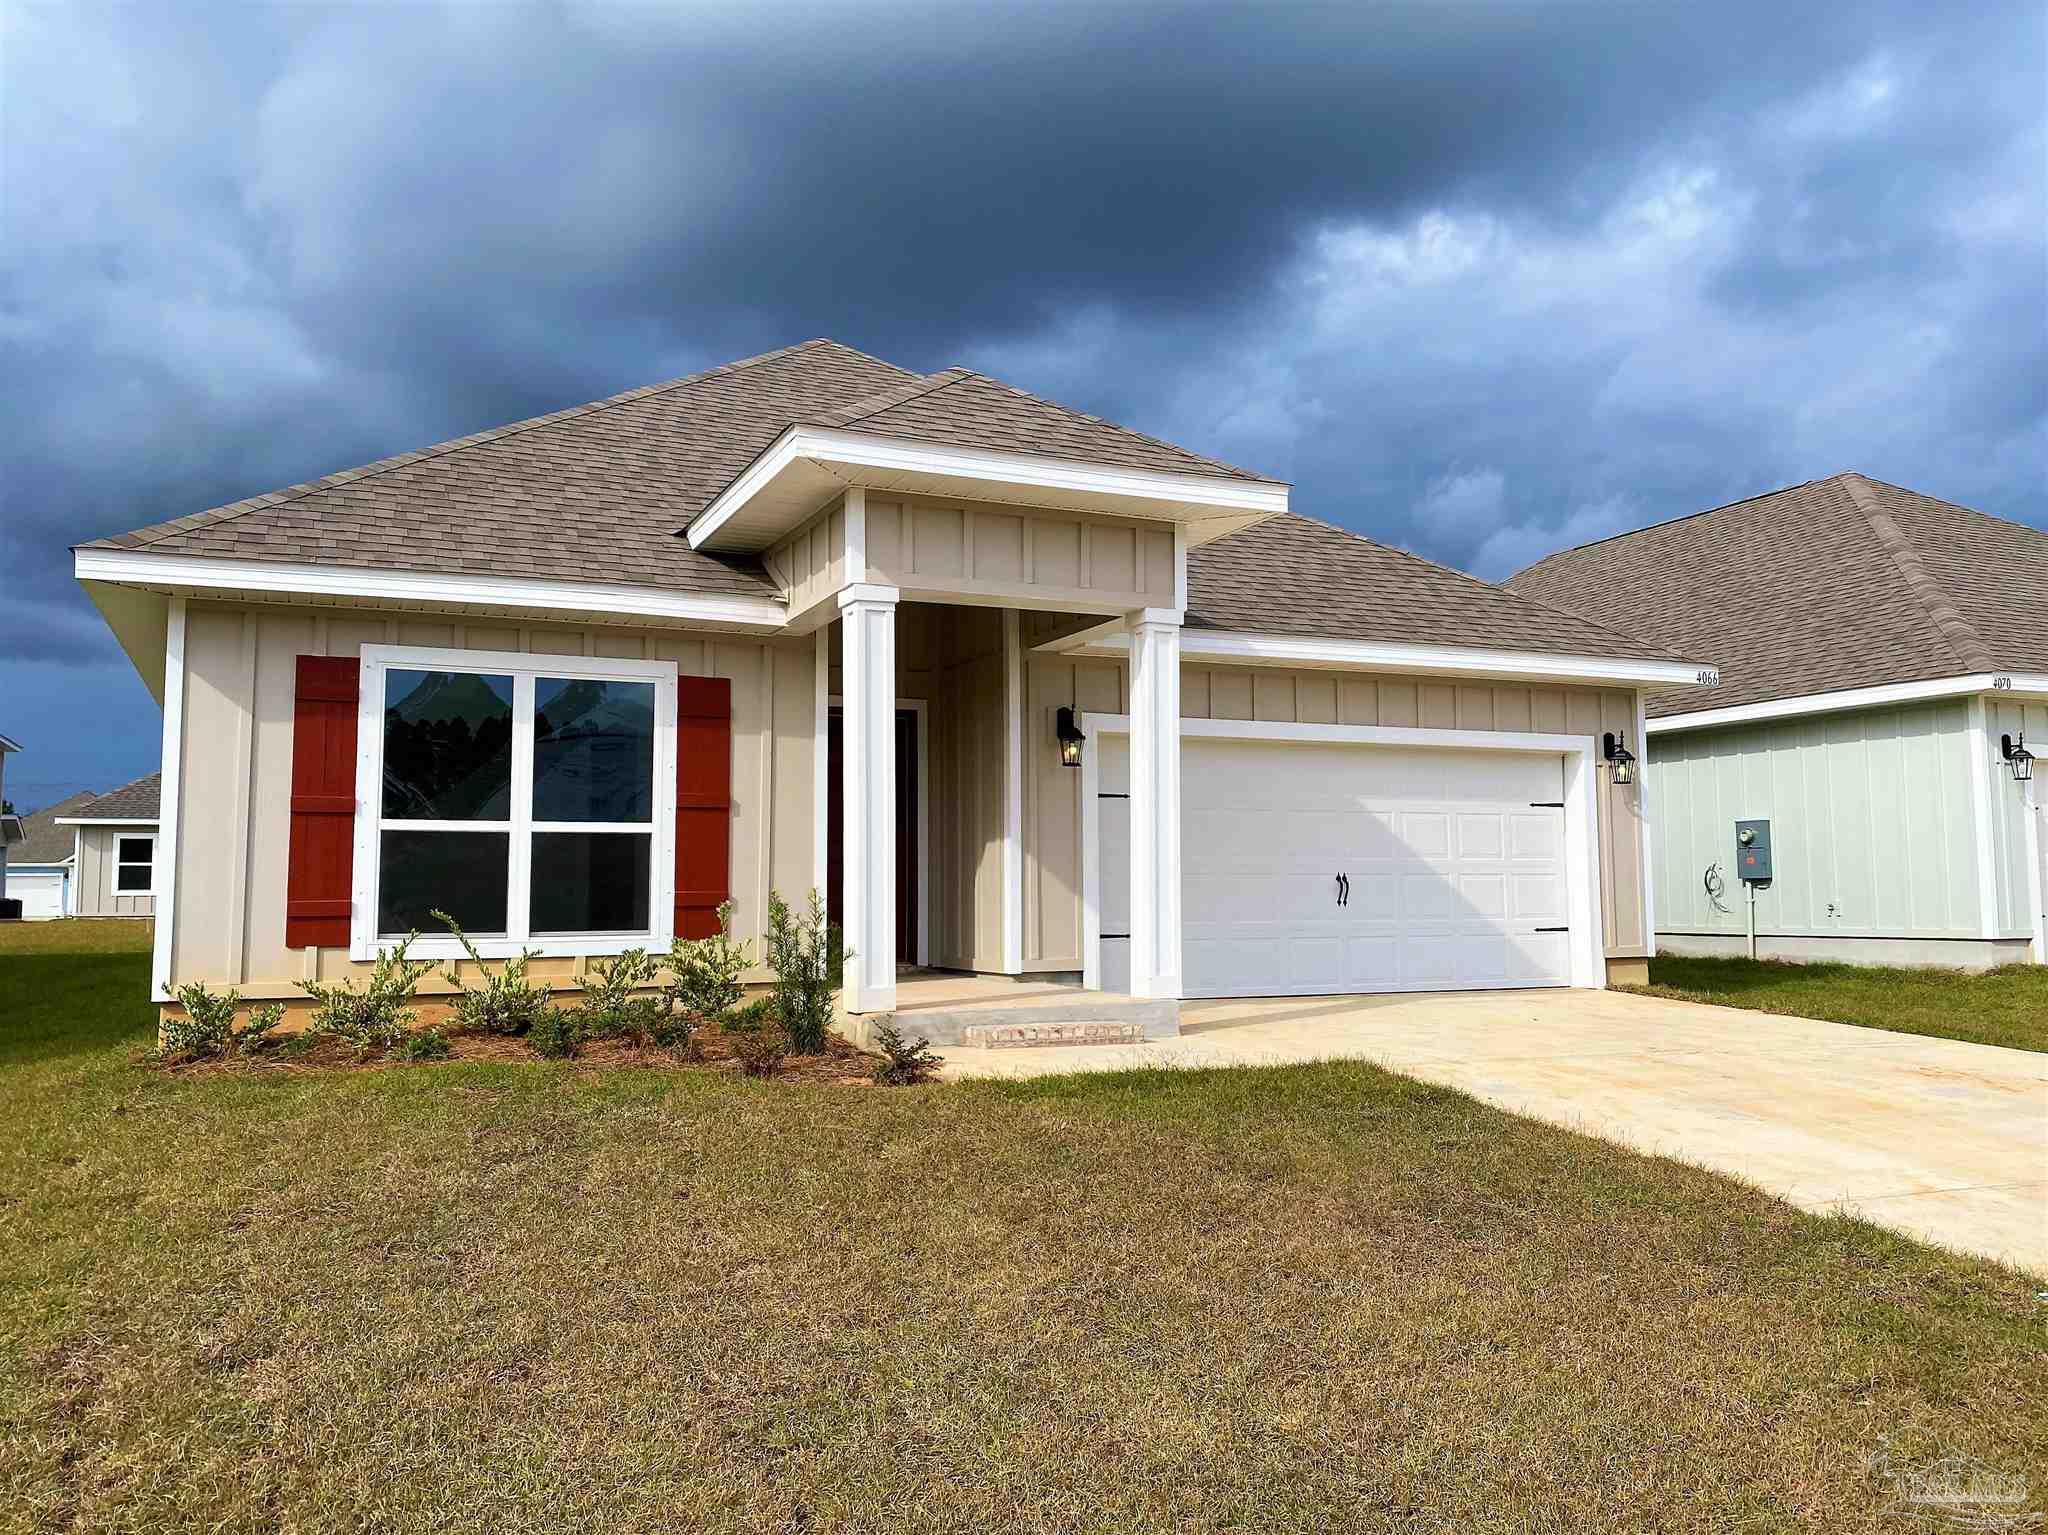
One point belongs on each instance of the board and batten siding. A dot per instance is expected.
(235, 793)
(1052, 835)
(2012, 886)
(1873, 824)
(93, 892)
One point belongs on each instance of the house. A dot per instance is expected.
(114, 854)
(11, 829)
(1884, 665)
(40, 865)
(1030, 694)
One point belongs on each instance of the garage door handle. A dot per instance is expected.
(1553, 930)
(1343, 890)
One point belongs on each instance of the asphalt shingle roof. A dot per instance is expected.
(1839, 583)
(1294, 575)
(137, 801)
(47, 842)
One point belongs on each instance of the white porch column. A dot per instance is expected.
(1155, 802)
(868, 811)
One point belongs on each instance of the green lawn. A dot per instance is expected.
(1995, 1007)
(550, 1297)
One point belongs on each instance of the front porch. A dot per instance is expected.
(997, 1012)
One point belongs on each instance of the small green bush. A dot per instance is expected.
(507, 1002)
(379, 1015)
(423, 1045)
(808, 957)
(207, 1031)
(905, 1062)
(704, 973)
(556, 1032)
(760, 1041)
(611, 1009)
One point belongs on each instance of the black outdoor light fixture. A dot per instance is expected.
(2017, 757)
(1070, 738)
(1615, 749)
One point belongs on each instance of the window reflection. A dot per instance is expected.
(593, 750)
(447, 746)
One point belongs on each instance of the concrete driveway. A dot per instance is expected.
(1944, 1141)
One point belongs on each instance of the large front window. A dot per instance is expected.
(529, 797)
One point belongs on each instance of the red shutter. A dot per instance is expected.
(703, 803)
(322, 858)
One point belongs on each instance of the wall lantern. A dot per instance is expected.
(2017, 757)
(1615, 749)
(1070, 738)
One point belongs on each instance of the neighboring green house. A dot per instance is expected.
(1884, 681)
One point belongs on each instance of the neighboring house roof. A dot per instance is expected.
(1294, 575)
(47, 842)
(1835, 584)
(9, 744)
(137, 801)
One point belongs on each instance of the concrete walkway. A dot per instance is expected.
(1944, 1141)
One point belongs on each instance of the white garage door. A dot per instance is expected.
(1313, 868)
(41, 895)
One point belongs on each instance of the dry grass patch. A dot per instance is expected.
(543, 1297)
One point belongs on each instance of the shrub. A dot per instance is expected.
(808, 957)
(507, 1002)
(759, 1038)
(208, 1032)
(610, 1008)
(380, 1014)
(423, 1045)
(904, 1063)
(704, 973)
(556, 1032)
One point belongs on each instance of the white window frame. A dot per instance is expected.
(120, 863)
(523, 667)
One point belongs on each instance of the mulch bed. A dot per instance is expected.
(841, 1065)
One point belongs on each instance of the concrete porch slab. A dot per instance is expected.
(1003, 1013)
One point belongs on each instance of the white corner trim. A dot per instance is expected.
(272, 578)
(1982, 761)
(1364, 655)
(524, 667)
(856, 513)
(1856, 698)
(857, 451)
(168, 806)
(821, 764)
(1013, 792)
(1582, 812)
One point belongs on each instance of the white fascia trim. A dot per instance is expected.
(9, 744)
(1856, 698)
(1368, 655)
(90, 820)
(858, 450)
(137, 568)
(1582, 814)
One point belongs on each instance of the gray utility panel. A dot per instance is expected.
(1753, 851)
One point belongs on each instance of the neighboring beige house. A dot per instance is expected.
(40, 868)
(114, 857)
(1884, 667)
(1028, 693)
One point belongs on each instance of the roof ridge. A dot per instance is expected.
(1500, 587)
(1948, 621)
(1669, 522)
(1116, 426)
(304, 488)
(914, 388)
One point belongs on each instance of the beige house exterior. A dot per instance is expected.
(950, 572)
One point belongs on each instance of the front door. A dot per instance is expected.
(907, 870)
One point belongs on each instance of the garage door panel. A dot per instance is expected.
(1453, 858)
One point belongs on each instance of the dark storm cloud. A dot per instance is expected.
(1481, 278)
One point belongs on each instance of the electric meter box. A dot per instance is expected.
(1753, 852)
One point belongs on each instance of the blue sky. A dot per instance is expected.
(1484, 280)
